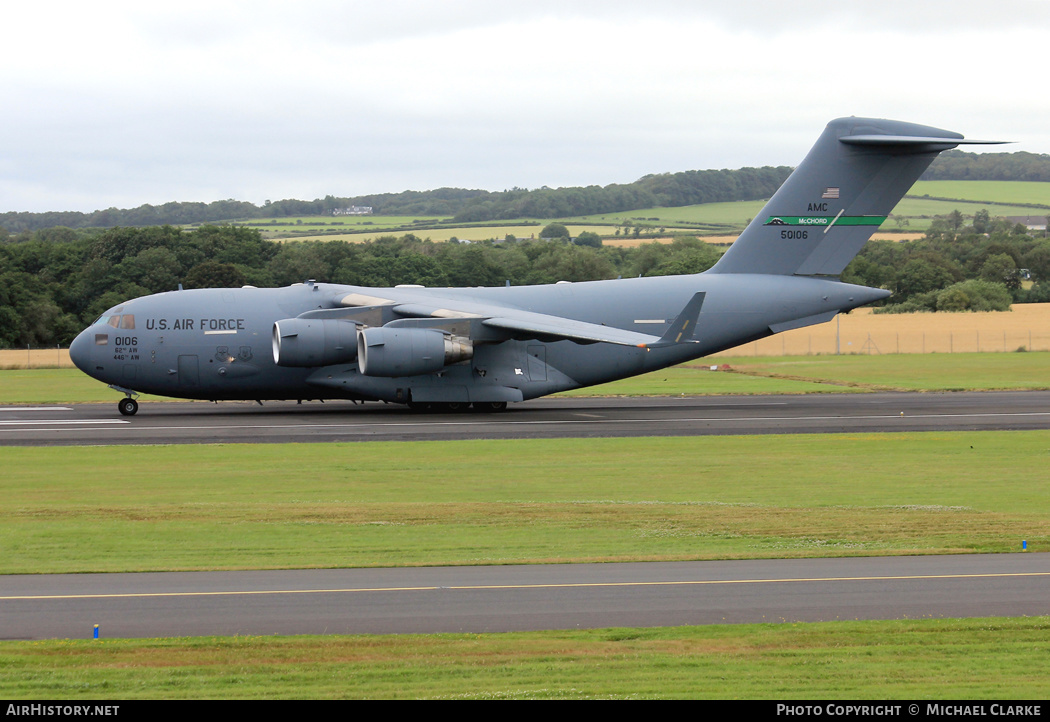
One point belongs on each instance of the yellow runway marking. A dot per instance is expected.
(484, 587)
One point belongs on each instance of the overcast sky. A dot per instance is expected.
(124, 103)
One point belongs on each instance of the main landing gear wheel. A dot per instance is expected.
(486, 407)
(128, 407)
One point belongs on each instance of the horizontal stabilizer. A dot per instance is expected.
(914, 140)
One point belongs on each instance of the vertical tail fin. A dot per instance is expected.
(837, 197)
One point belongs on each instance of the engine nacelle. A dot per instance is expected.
(391, 352)
(301, 342)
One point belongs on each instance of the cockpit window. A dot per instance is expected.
(111, 317)
(126, 321)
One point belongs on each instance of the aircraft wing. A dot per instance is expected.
(519, 322)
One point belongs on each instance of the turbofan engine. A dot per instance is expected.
(384, 351)
(313, 342)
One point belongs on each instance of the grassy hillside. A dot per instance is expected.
(926, 200)
(1000, 192)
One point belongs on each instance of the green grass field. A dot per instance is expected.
(55, 386)
(1001, 192)
(747, 375)
(905, 372)
(838, 374)
(140, 508)
(697, 379)
(923, 659)
(731, 213)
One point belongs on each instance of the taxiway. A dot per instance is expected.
(508, 598)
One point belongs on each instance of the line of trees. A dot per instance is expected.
(976, 264)
(663, 190)
(1017, 166)
(56, 281)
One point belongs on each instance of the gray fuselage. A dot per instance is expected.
(217, 343)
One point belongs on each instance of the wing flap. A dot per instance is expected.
(540, 324)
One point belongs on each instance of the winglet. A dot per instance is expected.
(683, 324)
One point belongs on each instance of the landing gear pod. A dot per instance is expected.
(395, 352)
(301, 342)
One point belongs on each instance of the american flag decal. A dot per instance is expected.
(832, 193)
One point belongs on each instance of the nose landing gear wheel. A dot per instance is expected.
(128, 407)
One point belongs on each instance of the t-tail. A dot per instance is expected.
(838, 196)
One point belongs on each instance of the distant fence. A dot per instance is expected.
(864, 332)
(35, 358)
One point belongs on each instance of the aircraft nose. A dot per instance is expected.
(80, 351)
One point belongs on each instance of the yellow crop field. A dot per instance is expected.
(864, 332)
(726, 240)
(37, 358)
(438, 235)
(635, 242)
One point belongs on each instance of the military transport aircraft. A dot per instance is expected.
(451, 348)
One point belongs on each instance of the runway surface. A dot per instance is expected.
(506, 598)
(280, 422)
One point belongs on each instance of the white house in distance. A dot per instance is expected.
(1032, 223)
